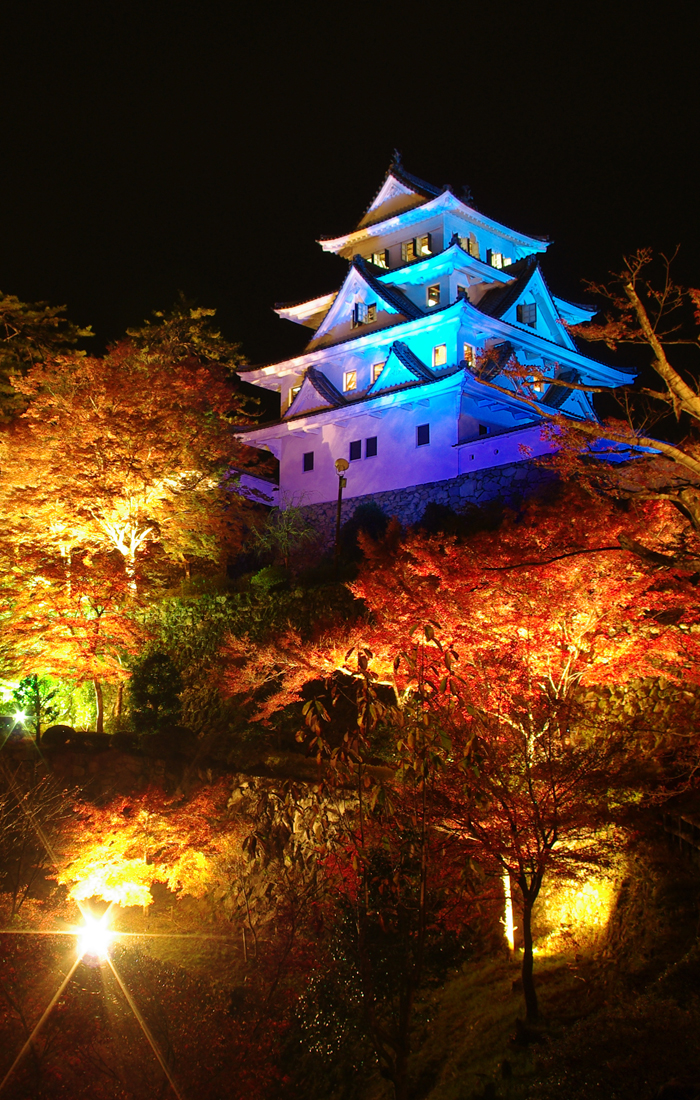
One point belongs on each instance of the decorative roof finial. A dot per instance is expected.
(396, 161)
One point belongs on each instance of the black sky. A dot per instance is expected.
(151, 147)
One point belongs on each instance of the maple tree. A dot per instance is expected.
(138, 841)
(519, 623)
(226, 1042)
(385, 858)
(655, 428)
(115, 473)
(72, 617)
(30, 333)
(124, 452)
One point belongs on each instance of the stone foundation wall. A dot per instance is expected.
(509, 484)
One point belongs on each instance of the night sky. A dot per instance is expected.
(155, 147)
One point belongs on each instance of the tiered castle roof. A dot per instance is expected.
(432, 287)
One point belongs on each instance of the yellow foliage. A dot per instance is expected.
(103, 870)
(118, 853)
(190, 874)
(127, 883)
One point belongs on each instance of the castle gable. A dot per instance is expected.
(399, 191)
(402, 367)
(362, 304)
(527, 302)
(308, 312)
(316, 393)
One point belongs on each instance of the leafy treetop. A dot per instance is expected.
(30, 333)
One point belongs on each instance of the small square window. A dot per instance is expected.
(371, 447)
(350, 380)
(469, 355)
(424, 245)
(293, 392)
(527, 314)
(381, 259)
(462, 291)
(440, 355)
(364, 314)
(434, 295)
(408, 251)
(494, 258)
(422, 435)
(355, 450)
(308, 461)
(377, 369)
(483, 429)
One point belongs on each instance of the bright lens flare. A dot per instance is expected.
(94, 938)
(20, 717)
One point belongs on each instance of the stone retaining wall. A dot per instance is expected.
(509, 484)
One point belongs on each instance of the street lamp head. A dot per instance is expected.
(341, 464)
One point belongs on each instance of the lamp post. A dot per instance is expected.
(341, 465)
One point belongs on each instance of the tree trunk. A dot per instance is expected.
(403, 1044)
(130, 566)
(118, 705)
(37, 708)
(99, 723)
(531, 1009)
(400, 1078)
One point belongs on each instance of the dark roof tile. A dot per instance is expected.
(411, 361)
(500, 296)
(325, 387)
(392, 295)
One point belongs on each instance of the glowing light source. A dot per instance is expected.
(19, 717)
(94, 938)
(508, 926)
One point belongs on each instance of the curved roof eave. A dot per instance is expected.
(426, 209)
(522, 335)
(453, 377)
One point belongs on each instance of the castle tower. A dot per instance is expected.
(389, 379)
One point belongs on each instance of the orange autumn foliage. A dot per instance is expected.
(119, 851)
(556, 599)
(72, 617)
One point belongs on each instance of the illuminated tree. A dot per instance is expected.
(388, 862)
(115, 472)
(128, 452)
(520, 622)
(30, 333)
(72, 617)
(34, 698)
(117, 852)
(656, 314)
